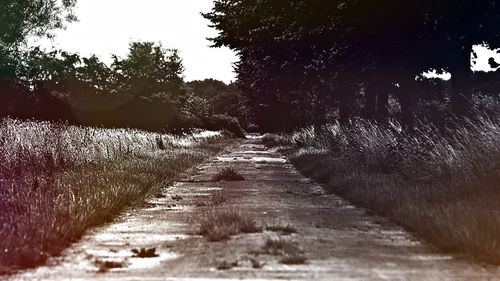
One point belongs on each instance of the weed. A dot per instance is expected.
(224, 265)
(278, 247)
(222, 223)
(291, 253)
(283, 229)
(228, 174)
(217, 198)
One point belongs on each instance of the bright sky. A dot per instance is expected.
(480, 63)
(107, 27)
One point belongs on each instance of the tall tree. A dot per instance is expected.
(20, 19)
(299, 59)
(150, 70)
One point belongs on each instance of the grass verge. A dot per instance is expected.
(56, 181)
(443, 185)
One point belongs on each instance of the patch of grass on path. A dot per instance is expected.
(282, 229)
(228, 174)
(56, 181)
(221, 223)
(290, 251)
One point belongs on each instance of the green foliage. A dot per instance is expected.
(20, 19)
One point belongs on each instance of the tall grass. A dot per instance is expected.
(444, 185)
(56, 181)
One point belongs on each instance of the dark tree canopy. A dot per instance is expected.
(150, 70)
(315, 56)
(23, 18)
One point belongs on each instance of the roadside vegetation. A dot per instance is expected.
(441, 184)
(399, 114)
(228, 174)
(56, 181)
(289, 251)
(283, 229)
(220, 223)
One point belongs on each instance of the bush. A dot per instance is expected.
(224, 122)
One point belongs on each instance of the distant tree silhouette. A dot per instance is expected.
(150, 70)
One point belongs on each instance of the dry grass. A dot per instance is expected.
(56, 181)
(225, 265)
(221, 223)
(444, 185)
(217, 198)
(228, 174)
(290, 251)
(282, 229)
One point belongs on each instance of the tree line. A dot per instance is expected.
(306, 62)
(145, 90)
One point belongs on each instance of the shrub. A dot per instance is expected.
(224, 122)
(217, 198)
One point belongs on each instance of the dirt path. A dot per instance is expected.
(339, 240)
